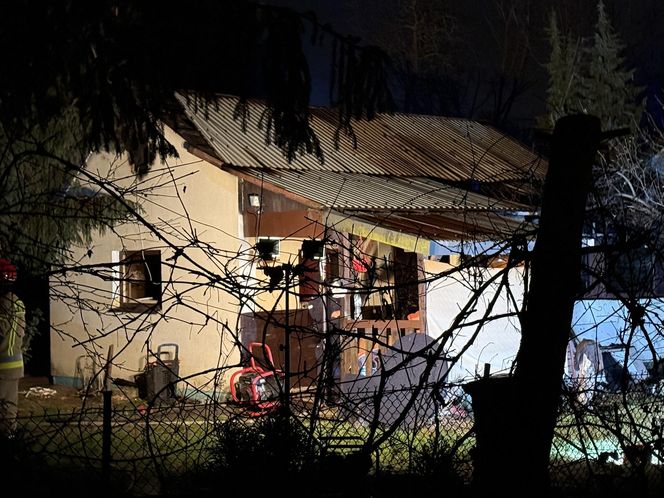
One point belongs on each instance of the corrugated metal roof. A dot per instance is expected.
(366, 192)
(419, 206)
(450, 149)
(401, 175)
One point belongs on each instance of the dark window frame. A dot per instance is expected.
(140, 284)
(311, 256)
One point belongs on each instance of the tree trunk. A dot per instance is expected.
(515, 417)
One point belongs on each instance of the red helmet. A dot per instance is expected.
(7, 270)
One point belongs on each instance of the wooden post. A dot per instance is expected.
(287, 342)
(422, 293)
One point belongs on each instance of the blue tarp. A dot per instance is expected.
(607, 322)
(469, 247)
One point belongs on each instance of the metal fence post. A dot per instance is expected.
(106, 427)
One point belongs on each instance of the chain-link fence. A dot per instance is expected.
(129, 450)
(610, 436)
(605, 437)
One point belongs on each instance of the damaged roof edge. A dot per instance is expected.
(407, 242)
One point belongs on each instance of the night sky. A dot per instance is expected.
(640, 24)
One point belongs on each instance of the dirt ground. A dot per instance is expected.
(37, 394)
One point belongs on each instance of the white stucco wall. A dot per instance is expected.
(496, 340)
(289, 250)
(193, 204)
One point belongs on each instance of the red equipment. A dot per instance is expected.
(256, 387)
(7, 270)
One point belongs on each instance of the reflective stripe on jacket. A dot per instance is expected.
(12, 329)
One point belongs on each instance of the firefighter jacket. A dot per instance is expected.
(12, 330)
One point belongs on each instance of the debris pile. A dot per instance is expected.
(40, 392)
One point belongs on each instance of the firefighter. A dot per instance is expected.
(12, 330)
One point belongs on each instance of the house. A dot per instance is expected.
(234, 244)
(147, 282)
(411, 183)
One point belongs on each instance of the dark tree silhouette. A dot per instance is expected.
(120, 62)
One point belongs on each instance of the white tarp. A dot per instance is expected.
(604, 321)
(497, 340)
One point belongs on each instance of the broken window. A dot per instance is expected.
(406, 281)
(309, 279)
(311, 255)
(332, 266)
(140, 280)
